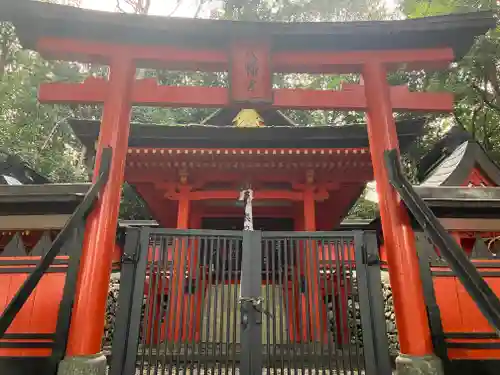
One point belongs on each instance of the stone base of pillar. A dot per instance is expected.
(85, 365)
(409, 365)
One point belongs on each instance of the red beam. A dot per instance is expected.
(155, 56)
(159, 176)
(147, 92)
(227, 211)
(234, 194)
(178, 58)
(352, 62)
(353, 98)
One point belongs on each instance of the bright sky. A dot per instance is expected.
(164, 7)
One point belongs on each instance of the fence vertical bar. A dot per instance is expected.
(250, 299)
(376, 347)
(126, 336)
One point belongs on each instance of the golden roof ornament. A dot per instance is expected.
(248, 118)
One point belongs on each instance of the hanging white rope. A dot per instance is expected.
(247, 196)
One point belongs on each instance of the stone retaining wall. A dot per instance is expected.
(390, 317)
(354, 318)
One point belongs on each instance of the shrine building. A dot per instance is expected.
(304, 178)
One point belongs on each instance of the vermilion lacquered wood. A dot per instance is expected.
(250, 73)
(234, 211)
(39, 313)
(353, 98)
(171, 57)
(179, 58)
(459, 313)
(234, 194)
(100, 232)
(143, 176)
(353, 61)
(478, 178)
(399, 239)
(148, 93)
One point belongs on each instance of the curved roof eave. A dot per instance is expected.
(206, 136)
(34, 19)
(454, 170)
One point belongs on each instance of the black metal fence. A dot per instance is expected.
(249, 302)
(312, 317)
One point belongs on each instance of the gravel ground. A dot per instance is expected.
(229, 371)
(223, 370)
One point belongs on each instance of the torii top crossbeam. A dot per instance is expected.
(250, 51)
(196, 37)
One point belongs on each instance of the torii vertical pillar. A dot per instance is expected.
(417, 355)
(83, 355)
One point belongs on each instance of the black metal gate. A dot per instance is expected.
(250, 302)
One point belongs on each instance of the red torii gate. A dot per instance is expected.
(251, 53)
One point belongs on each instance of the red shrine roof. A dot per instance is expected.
(225, 154)
(34, 20)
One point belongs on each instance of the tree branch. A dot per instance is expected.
(179, 2)
(198, 10)
(119, 7)
(5, 47)
(473, 120)
(146, 6)
(484, 97)
(458, 120)
(490, 73)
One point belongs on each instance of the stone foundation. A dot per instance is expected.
(111, 309)
(390, 316)
(88, 365)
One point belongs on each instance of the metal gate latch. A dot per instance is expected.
(256, 304)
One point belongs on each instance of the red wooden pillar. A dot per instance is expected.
(87, 323)
(177, 315)
(311, 264)
(409, 306)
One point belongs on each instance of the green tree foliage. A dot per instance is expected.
(41, 136)
(37, 133)
(304, 10)
(363, 209)
(474, 80)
